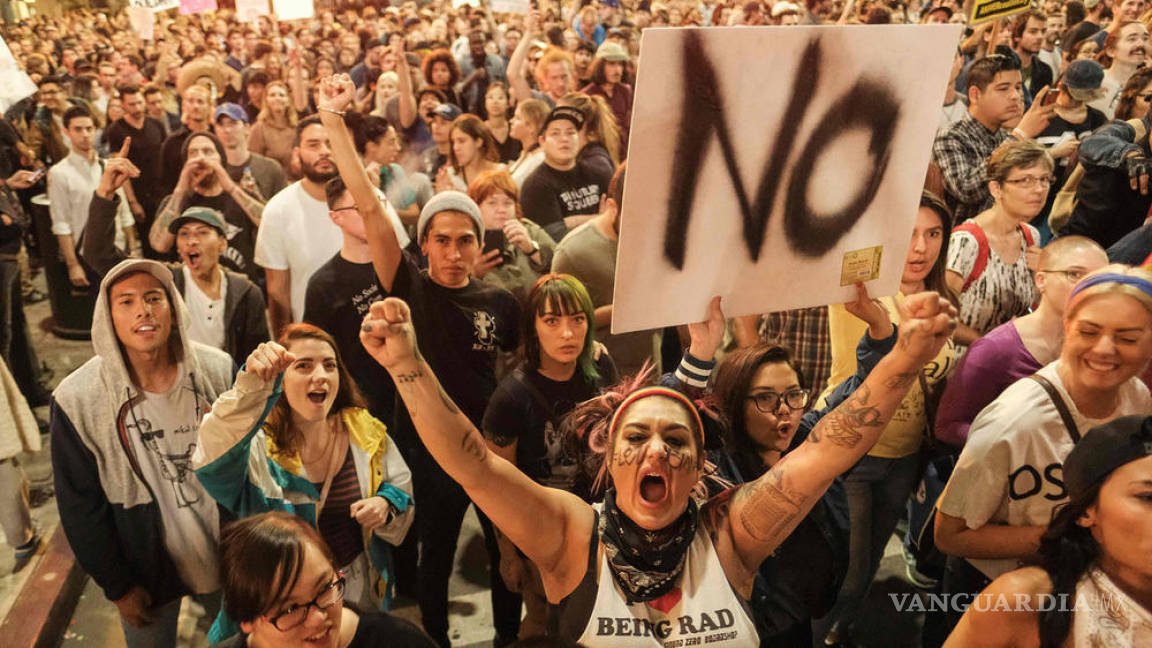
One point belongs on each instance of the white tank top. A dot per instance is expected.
(1106, 616)
(707, 611)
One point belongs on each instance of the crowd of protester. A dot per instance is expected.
(352, 274)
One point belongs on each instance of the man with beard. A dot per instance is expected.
(1128, 51)
(1027, 40)
(204, 182)
(195, 113)
(478, 68)
(372, 53)
(606, 73)
(1052, 52)
(298, 235)
(147, 138)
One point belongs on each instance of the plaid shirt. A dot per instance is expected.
(805, 331)
(961, 151)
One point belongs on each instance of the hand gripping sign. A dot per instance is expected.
(774, 166)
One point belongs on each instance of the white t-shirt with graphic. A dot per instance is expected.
(1011, 471)
(162, 429)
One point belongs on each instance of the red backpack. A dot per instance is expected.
(982, 249)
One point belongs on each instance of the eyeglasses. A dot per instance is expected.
(1073, 275)
(335, 211)
(769, 402)
(296, 614)
(1030, 182)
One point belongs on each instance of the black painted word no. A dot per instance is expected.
(869, 104)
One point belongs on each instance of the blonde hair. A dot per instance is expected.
(1016, 154)
(265, 116)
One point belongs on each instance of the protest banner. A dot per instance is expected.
(249, 10)
(155, 5)
(14, 83)
(982, 11)
(510, 6)
(188, 7)
(293, 9)
(774, 167)
(141, 20)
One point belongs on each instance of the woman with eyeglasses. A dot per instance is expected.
(761, 400)
(878, 486)
(282, 585)
(990, 256)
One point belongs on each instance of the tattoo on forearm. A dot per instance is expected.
(841, 427)
(473, 444)
(411, 376)
(769, 508)
(901, 380)
(500, 439)
(254, 208)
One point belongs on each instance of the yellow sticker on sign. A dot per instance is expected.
(860, 265)
(985, 10)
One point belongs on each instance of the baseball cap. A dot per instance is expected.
(1104, 449)
(565, 112)
(447, 111)
(230, 110)
(945, 8)
(1083, 79)
(610, 51)
(205, 215)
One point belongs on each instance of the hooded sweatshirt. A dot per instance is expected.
(113, 499)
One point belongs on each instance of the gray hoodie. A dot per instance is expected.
(107, 509)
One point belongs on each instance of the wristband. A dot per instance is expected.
(329, 110)
(1019, 134)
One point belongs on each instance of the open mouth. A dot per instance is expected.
(318, 638)
(653, 489)
(318, 396)
(146, 328)
(193, 259)
(1096, 365)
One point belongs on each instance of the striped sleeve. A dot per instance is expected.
(694, 372)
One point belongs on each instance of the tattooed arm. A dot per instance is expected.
(762, 513)
(550, 526)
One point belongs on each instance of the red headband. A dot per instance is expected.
(659, 391)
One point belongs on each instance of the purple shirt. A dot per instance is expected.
(992, 363)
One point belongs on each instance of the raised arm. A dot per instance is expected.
(550, 526)
(406, 98)
(762, 513)
(99, 249)
(336, 94)
(516, 79)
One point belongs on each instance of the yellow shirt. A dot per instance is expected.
(905, 431)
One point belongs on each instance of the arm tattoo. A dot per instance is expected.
(410, 377)
(769, 507)
(473, 445)
(901, 380)
(252, 207)
(841, 427)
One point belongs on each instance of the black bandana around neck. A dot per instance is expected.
(645, 563)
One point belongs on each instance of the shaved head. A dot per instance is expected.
(1069, 250)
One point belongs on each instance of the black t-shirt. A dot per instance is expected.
(378, 630)
(528, 408)
(549, 196)
(510, 149)
(239, 230)
(1058, 126)
(337, 299)
(459, 331)
(144, 152)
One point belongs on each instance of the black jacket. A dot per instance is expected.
(245, 326)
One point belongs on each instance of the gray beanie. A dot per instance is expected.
(448, 201)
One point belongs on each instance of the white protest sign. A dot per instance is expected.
(293, 9)
(141, 20)
(155, 5)
(249, 10)
(14, 83)
(510, 6)
(767, 165)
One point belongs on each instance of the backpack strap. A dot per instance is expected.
(981, 251)
(1027, 234)
(519, 376)
(1061, 406)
